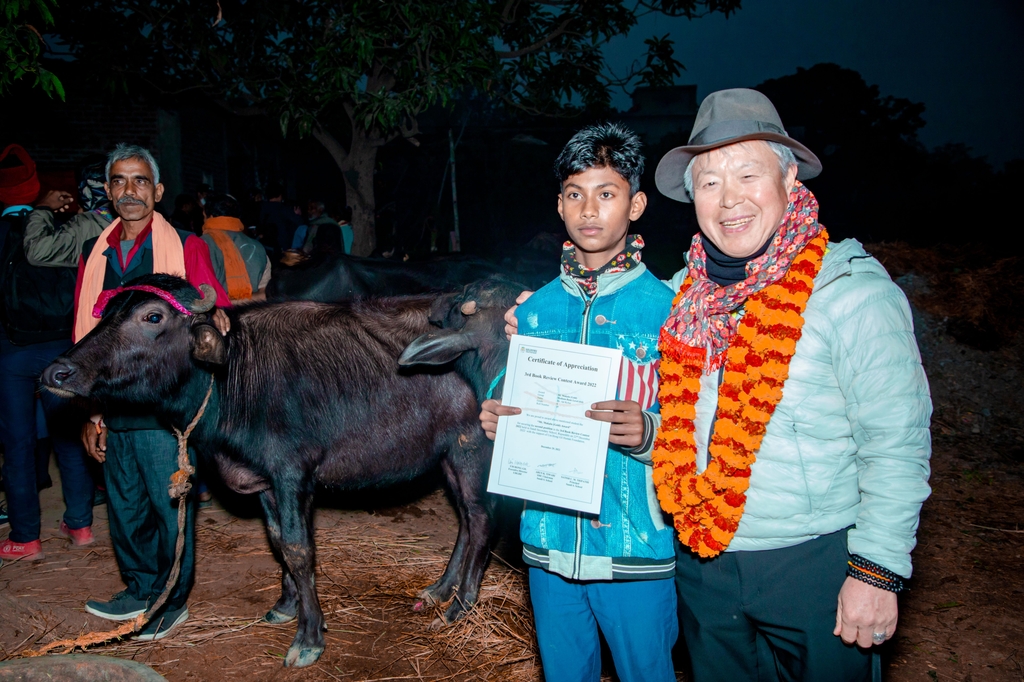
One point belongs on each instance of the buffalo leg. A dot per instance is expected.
(478, 517)
(465, 567)
(287, 606)
(295, 509)
(442, 590)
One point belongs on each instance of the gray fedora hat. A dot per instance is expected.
(726, 117)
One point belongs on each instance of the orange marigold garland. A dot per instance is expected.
(706, 508)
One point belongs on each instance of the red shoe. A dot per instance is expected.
(12, 551)
(79, 537)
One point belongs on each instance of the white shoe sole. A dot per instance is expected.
(110, 616)
(165, 627)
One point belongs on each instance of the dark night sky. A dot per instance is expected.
(961, 59)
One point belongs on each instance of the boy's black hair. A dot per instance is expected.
(605, 145)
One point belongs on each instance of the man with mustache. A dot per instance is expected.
(140, 453)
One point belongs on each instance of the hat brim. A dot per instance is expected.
(669, 175)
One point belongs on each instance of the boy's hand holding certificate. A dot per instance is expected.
(552, 452)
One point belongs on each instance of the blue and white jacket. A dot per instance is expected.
(631, 538)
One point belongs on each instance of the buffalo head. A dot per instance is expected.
(150, 333)
(472, 331)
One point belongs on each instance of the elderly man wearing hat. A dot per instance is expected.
(793, 447)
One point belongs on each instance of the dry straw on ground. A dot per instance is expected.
(365, 583)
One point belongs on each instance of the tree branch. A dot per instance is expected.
(514, 54)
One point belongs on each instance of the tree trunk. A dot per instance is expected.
(356, 164)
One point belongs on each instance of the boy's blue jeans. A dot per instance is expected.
(20, 367)
(637, 618)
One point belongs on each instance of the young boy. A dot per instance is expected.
(612, 572)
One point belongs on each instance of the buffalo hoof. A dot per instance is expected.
(425, 600)
(300, 657)
(276, 617)
(456, 611)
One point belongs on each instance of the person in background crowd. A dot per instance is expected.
(251, 212)
(240, 262)
(48, 244)
(316, 217)
(202, 192)
(278, 221)
(140, 453)
(35, 312)
(185, 214)
(198, 214)
(344, 220)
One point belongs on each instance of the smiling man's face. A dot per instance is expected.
(740, 195)
(132, 191)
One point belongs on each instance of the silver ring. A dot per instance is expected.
(878, 637)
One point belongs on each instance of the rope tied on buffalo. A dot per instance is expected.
(179, 488)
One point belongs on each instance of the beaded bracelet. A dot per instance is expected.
(871, 573)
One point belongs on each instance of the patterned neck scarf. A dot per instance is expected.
(628, 258)
(703, 317)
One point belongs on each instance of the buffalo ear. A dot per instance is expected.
(436, 348)
(208, 345)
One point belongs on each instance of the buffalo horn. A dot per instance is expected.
(468, 308)
(206, 303)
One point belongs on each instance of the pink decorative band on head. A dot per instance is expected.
(104, 299)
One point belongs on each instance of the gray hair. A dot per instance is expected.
(124, 152)
(784, 153)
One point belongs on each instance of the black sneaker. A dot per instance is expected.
(122, 606)
(163, 624)
(3, 515)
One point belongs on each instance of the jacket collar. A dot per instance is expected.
(607, 283)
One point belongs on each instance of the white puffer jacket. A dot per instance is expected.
(849, 443)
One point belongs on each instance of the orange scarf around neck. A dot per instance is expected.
(236, 275)
(168, 259)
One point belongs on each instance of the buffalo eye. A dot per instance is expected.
(154, 318)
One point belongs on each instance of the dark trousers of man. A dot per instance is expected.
(20, 367)
(769, 615)
(144, 517)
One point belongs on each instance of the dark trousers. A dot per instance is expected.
(143, 517)
(20, 367)
(768, 615)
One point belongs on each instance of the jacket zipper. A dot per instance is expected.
(584, 335)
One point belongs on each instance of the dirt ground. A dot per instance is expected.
(961, 620)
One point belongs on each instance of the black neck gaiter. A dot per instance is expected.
(724, 270)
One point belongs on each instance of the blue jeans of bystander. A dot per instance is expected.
(20, 367)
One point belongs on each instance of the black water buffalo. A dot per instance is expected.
(341, 277)
(308, 394)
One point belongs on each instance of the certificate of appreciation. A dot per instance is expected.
(552, 452)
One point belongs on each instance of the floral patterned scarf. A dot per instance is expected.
(704, 316)
(587, 278)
